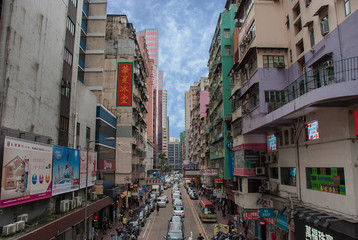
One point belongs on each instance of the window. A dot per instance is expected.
(296, 11)
(312, 36)
(291, 55)
(253, 185)
(88, 133)
(227, 33)
(70, 26)
(78, 129)
(227, 49)
(324, 26)
(0, 8)
(74, 2)
(273, 96)
(300, 47)
(67, 57)
(288, 22)
(347, 7)
(288, 176)
(274, 172)
(326, 180)
(63, 124)
(65, 89)
(286, 137)
(271, 61)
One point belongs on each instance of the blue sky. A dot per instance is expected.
(185, 30)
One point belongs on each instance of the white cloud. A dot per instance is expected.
(185, 33)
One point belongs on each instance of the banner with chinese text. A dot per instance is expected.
(124, 84)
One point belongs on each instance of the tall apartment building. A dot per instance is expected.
(165, 122)
(44, 102)
(294, 117)
(124, 88)
(174, 154)
(182, 149)
(219, 113)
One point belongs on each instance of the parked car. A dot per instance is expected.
(176, 196)
(135, 226)
(175, 231)
(178, 211)
(165, 198)
(146, 209)
(193, 196)
(177, 203)
(162, 203)
(140, 215)
(176, 218)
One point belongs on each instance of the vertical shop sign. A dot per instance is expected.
(124, 84)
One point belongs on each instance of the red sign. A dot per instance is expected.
(124, 84)
(135, 185)
(270, 221)
(154, 181)
(218, 180)
(250, 215)
(106, 165)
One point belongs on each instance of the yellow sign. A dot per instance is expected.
(221, 228)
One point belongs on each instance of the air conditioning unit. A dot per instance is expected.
(264, 187)
(260, 171)
(78, 201)
(23, 217)
(20, 225)
(9, 229)
(93, 196)
(64, 205)
(279, 64)
(273, 187)
(73, 204)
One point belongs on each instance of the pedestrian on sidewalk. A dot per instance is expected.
(200, 237)
(157, 209)
(124, 221)
(246, 230)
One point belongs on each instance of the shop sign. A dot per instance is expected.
(250, 215)
(192, 173)
(270, 221)
(312, 233)
(147, 188)
(124, 84)
(218, 180)
(154, 181)
(209, 172)
(106, 164)
(281, 222)
(266, 212)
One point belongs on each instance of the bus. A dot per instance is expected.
(207, 211)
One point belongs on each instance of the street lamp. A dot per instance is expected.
(87, 146)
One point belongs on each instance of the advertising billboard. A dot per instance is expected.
(92, 168)
(66, 170)
(26, 172)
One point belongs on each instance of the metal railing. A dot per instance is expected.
(345, 70)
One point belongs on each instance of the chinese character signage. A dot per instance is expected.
(124, 84)
(218, 180)
(282, 223)
(314, 234)
(209, 172)
(154, 181)
(66, 170)
(26, 172)
(312, 130)
(92, 168)
(192, 173)
(250, 215)
(271, 143)
(266, 213)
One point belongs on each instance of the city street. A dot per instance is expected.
(157, 225)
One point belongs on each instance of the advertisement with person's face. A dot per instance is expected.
(26, 172)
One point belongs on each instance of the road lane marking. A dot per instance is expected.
(155, 215)
(196, 217)
(146, 229)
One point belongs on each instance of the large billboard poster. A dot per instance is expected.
(66, 170)
(92, 168)
(26, 172)
(124, 84)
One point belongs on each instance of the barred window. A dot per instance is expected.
(70, 26)
(67, 57)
